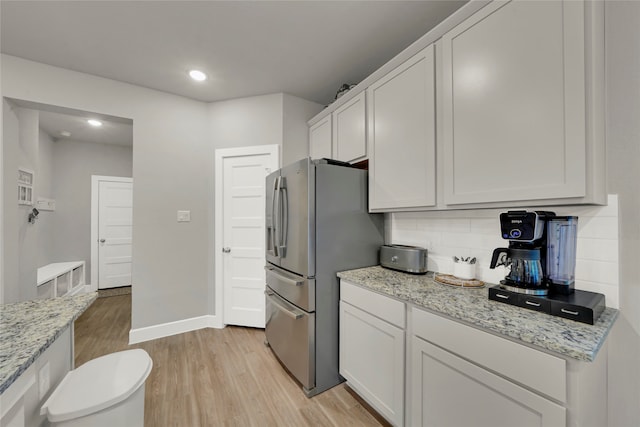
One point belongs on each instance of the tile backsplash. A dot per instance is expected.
(476, 233)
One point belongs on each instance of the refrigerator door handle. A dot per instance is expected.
(272, 246)
(275, 209)
(284, 218)
(282, 278)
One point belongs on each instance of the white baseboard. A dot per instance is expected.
(173, 328)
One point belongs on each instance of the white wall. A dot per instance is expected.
(2, 109)
(623, 151)
(73, 164)
(10, 135)
(28, 233)
(44, 223)
(173, 157)
(258, 120)
(297, 112)
(234, 123)
(20, 145)
(171, 168)
(245, 122)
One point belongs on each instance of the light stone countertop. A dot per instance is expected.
(565, 337)
(28, 328)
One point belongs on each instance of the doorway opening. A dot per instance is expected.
(61, 151)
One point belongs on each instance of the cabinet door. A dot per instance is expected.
(320, 139)
(514, 103)
(349, 130)
(372, 360)
(402, 136)
(449, 391)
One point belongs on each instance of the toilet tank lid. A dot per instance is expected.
(98, 384)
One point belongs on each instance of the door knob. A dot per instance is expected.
(102, 240)
(226, 250)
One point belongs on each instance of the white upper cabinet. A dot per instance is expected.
(349, 130)
(502, 105)
(402, 164)
(320, 139)
(514, 104)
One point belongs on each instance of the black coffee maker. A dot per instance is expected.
(541, 258)
(526, 255)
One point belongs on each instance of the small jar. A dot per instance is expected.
(464, 270)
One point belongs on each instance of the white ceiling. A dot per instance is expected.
(111, 132)
(55, 119)
(304, 48)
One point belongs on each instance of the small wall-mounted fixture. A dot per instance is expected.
(44, 204)
(33, 215)
(25, 186)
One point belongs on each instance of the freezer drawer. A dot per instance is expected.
(290, 333)
(296, 289)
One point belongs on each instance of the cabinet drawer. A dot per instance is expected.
(532, 368)
(383, 307)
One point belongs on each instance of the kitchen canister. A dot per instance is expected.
(464, 270)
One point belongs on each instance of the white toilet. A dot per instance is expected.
(106, 391)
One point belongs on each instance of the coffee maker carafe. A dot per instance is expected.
(526, 255)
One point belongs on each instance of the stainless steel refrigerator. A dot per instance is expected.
(317, 223)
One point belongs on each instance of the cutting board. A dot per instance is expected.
(448, 279)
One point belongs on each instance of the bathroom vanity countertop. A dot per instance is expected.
(472, 306)
(28, 328)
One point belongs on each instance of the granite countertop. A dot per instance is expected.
(562, 336)
(28, 328)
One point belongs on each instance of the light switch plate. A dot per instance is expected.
(184, 216)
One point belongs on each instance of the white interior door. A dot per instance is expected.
(115, 226)
(243, 232)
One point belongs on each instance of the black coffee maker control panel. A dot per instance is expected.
(523, 226)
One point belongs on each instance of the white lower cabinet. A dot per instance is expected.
(20, 403)
(372, 350)
(447, 390)
(419, 368)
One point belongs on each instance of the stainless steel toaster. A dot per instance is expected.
(410, 259)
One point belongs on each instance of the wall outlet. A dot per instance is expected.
(184, 216)
(44, 380)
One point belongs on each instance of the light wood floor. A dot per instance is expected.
(215, 377)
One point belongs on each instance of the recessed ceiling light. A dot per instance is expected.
(94, 122)
(65, 133)
(197, 75)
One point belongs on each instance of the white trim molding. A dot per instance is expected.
(174, 328)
